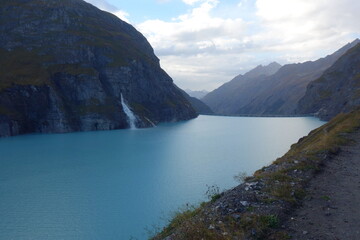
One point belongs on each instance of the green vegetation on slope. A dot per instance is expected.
(24, 67)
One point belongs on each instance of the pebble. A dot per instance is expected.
(305, 232)
(244, 203)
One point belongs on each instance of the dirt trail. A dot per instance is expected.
(332, 209)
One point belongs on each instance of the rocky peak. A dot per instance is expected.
(267, 70)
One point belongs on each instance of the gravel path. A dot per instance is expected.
(332, 209)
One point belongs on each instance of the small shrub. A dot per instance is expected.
(179, 218)
(270, 221)
(241, 177)
(327, 198)
(259, 225)
(283, 191)
(213, 193)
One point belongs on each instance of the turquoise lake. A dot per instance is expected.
(117, 184)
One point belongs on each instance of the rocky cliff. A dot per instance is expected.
(337, 90)
(65, 64)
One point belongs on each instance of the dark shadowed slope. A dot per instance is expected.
(225, 99)
(337, 90)
(277, 94)
(65, 64)
(199, 106)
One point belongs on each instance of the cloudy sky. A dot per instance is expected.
(205, 43)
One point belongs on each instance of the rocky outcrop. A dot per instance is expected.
(337, 90)
(65, 64)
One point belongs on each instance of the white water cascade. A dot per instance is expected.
(130, 115)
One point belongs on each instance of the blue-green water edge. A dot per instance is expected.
(115, 184)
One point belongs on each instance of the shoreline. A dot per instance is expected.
(257, 208)
(266, 115)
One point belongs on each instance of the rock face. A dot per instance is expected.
(65, 64)
(337, 90)
(271, 94)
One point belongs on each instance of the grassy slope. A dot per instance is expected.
(306, 157)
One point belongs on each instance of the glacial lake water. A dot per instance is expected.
(113, 185)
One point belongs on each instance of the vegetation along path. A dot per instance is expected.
(312, 192)
(331, 210)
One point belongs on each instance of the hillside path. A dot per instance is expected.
(332, 209)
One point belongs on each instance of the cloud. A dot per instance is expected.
(122, 15)
(204, 70)
(305, 26)
(195, 37)
(216, 40)
(192, 33)
(202, 50)
(104, 5)
(191, 2)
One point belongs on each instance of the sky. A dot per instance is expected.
(202, 44)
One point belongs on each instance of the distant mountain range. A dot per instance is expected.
(196, 94)
(272, 89)
(227, 98)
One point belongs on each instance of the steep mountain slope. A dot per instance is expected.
(337, 90)
(226, 98)
(276, 94)
(65, 64)
(199, 106)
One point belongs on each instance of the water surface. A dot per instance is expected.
(115, 184)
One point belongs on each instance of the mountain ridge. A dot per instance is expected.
(65, 64)
(277, 94)
(228, 90)
(335, 91)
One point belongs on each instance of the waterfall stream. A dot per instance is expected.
(130, 115)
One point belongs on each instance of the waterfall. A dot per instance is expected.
(130, 115)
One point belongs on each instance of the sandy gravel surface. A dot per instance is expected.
(332, 208)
